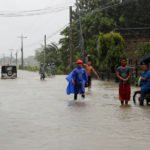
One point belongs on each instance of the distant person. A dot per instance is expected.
(42, 71)
(77, 79)
(89, 70)
(144, 82)
(124, 73)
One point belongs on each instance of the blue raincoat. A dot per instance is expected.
(79, 75)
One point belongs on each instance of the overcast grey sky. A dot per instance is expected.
(34, 27)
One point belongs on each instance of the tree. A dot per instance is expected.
(53, 55)
(96, 18)
(143, 49)
(109, 51)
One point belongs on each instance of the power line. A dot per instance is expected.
(33, 14)
(58, 31)
(36, 12)
(110, 6)
(106, 7)
(134, 28)
(48, 37)
(141, 23)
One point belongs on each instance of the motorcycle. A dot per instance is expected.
(42, 76)
(137, 95)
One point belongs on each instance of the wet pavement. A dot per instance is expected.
(38, 115)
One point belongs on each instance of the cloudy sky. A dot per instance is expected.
(55, 17)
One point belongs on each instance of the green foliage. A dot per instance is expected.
(52, 55)
(143, 49)
(104, 46)
(131, 13)
(110, 49)
(30, 68)
(39, 55)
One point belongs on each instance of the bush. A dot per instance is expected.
(109, 51)
(30, 68)
(143, 49)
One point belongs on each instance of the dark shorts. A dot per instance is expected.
(89, 81)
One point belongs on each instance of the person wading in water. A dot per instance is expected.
(89, 70)
(124, 73)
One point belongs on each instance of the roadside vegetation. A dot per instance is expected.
(101, 42)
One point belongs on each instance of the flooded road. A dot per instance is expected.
(36, 115)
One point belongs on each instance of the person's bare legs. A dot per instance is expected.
(122, 102)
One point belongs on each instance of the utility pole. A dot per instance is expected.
(45, 49)
(70, 39)
(16, 59)
(4, 59)
(22, 59)
(11, 56)
(81, 34)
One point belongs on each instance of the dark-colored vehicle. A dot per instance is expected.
(42, 76)
(137, 95)
(8, 72)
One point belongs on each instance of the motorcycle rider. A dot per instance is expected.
(42, 71)
(145, 82)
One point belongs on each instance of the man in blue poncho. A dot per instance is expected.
(77, 79)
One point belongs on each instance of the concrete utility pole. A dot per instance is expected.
(11, 56)
(22, 59)
(70, 39)
(45, 49)
(3, 59)
(81, 34)
(16, 58)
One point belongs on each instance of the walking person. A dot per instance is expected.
(89, 70)
(42, 71)
(77, 79)
(124, 73)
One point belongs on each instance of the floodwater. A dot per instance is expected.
(38, 115)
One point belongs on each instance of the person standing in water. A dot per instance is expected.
(89, 70)
(124, 73)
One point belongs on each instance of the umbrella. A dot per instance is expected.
(145, 59)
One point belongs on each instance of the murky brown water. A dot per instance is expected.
(37, 115)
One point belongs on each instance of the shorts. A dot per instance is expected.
(89, 81)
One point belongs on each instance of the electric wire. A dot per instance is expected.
(134, 28)
(48, 37)
(47, 10)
